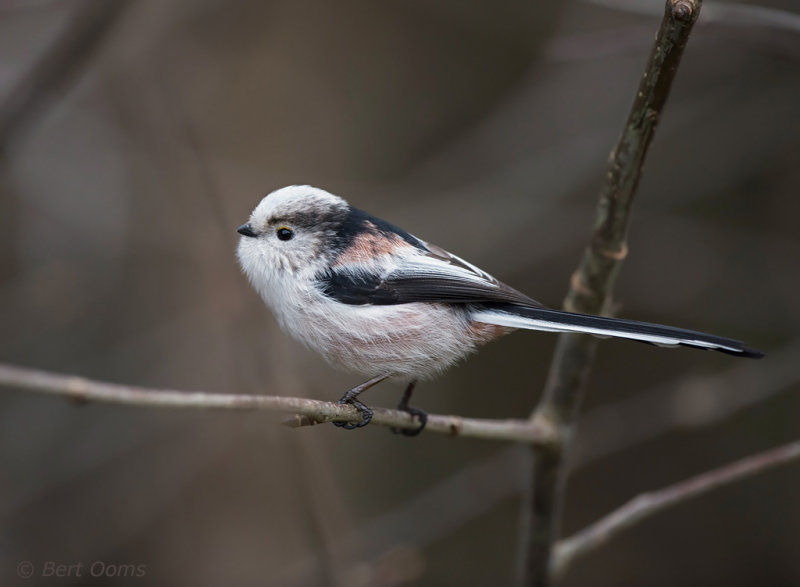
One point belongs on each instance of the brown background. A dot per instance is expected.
(482, 127)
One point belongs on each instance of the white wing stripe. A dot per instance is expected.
(428, 266)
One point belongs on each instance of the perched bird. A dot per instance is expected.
(374, 299)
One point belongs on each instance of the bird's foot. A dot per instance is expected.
(366, 414)
(415, 413)
(351, 398)
(403, 406)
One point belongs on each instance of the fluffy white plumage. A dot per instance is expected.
(376, 300)
(410, 341)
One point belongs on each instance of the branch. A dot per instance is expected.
(591, 286)
(87, 390)
(648, 504)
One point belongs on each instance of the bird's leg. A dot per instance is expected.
(350, 398)
(402, 405)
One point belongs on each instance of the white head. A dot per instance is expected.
(290, 230)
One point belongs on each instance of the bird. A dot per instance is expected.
(376, 300)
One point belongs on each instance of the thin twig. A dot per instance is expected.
(648, 504)
(590, 290)
(729, 13)
(308, 410)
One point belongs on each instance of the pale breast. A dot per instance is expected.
(410, 341)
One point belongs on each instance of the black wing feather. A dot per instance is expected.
(357, 288)
(360, 288)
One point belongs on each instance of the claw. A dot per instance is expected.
(415, 412)
(350, 398)
(366, 415)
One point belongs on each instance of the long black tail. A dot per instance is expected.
(532, 318)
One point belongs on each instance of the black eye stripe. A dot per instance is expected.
(283, 233)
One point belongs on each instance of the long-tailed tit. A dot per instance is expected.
(374, 299)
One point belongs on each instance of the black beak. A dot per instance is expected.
(246, 230)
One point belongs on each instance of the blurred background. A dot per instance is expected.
(136, 137)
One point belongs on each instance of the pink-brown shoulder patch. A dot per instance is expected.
(370, 244)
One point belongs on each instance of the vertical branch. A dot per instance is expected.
(590, 291)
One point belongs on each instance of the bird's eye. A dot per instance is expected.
(284, 233)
